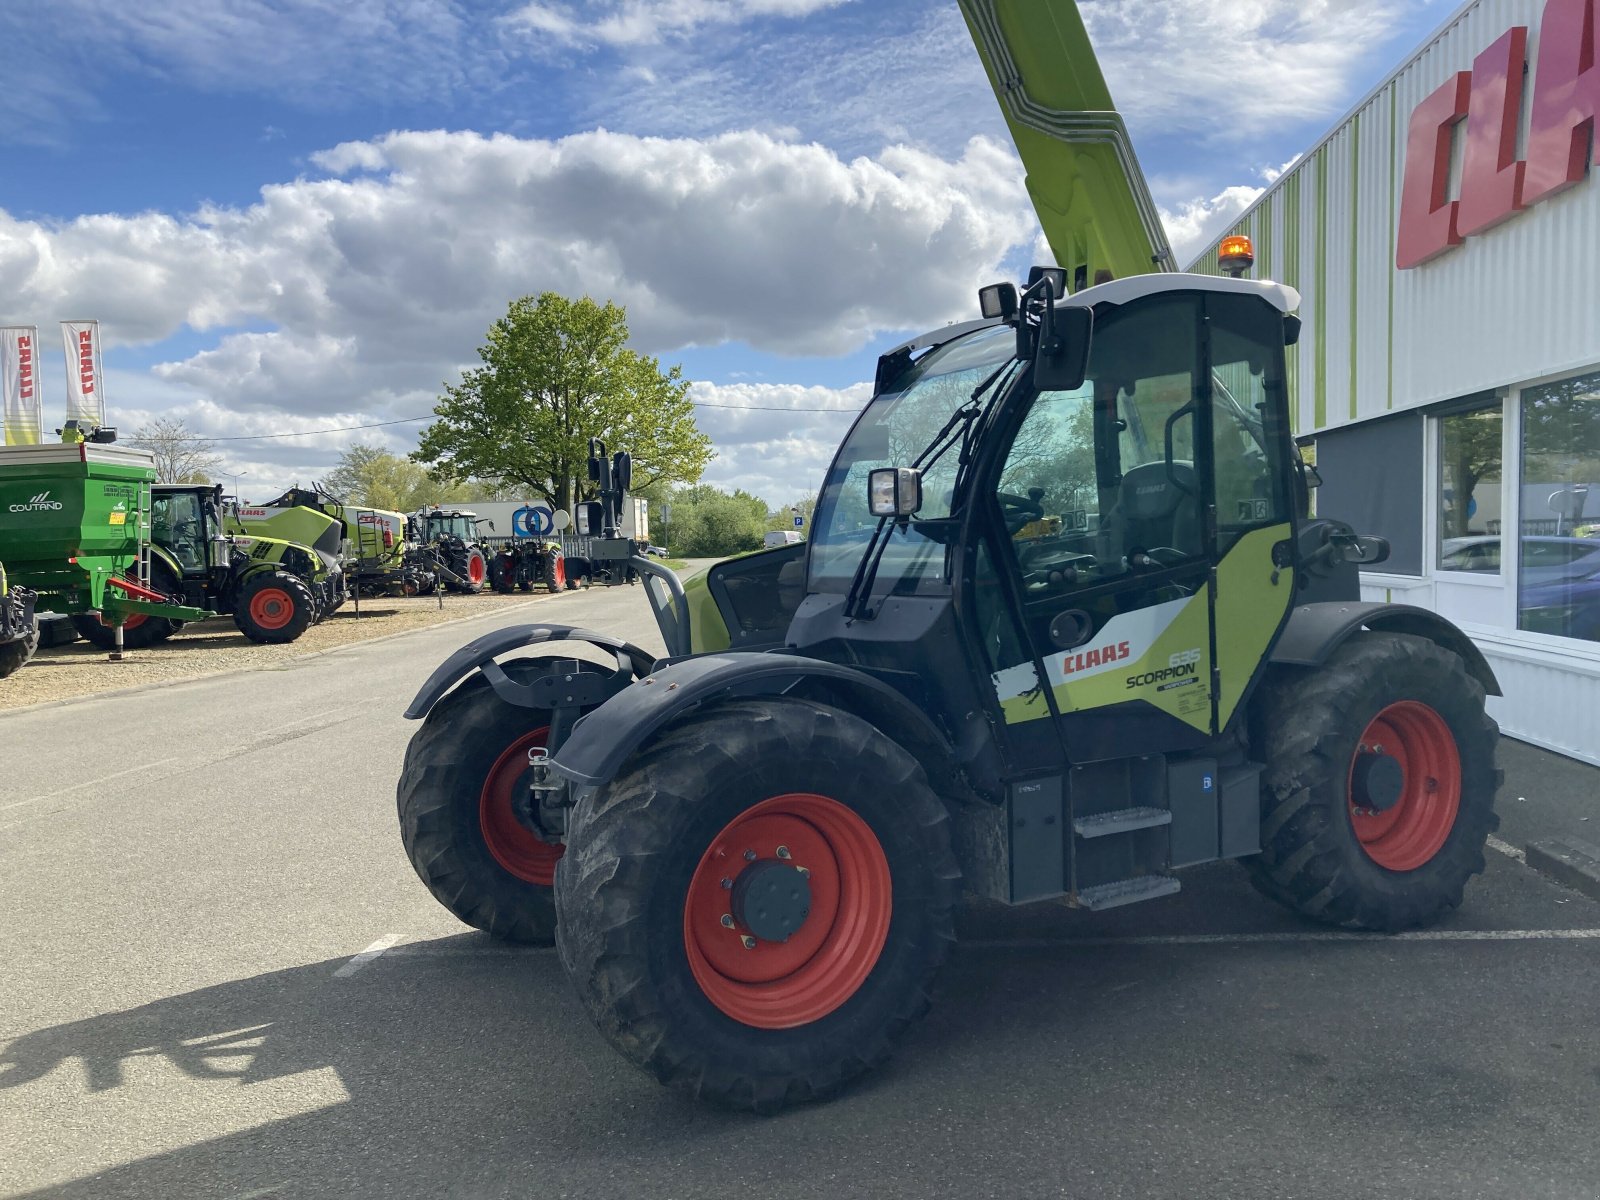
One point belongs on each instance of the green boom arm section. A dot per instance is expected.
(1086, 183)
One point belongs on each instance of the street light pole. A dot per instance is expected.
(236, 476)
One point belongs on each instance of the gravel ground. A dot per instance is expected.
(209, 647)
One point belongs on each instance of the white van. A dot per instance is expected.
(782, 537)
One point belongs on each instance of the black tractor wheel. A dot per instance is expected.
(502, 578)
(555, 571)
(1379, 790)
(139, 631)
(475, 572)
(274, 607)
(465, 773)
(755, 910)
(15, 654)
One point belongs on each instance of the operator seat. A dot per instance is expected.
(1158, 504)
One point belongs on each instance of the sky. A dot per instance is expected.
(301, 215)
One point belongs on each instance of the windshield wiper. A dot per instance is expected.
(965, 418)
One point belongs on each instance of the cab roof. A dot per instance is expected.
(1135, 287)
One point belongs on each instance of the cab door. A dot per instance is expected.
(1137, 522)
(1252, 584)
(1098, 509)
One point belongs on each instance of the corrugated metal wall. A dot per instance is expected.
(1510, 305)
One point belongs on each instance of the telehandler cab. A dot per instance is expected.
(1063, 628)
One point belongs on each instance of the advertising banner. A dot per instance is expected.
(19, 385)
(85, 382)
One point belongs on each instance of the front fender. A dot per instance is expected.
(604, 739)
(1315, 631)
(481, 652)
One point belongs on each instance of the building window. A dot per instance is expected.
(1469, 490)
(1559, 560)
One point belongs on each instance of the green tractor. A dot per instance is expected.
(270, 586)
(19, 631)
(1063, 629)
(451, 551)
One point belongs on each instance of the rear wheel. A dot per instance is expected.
(465, 773)
(555, 571)
(15, 654)
(502, 575)
(755, 911)
(139, 630)
(1380, 783)
(274, 607)
(476, 572)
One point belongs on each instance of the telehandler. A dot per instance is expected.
(1063, 628)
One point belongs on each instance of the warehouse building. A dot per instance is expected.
(1445, 237)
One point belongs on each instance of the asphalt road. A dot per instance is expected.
(187, 876)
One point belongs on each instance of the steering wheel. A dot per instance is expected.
(1019, 512)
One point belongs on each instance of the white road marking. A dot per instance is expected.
(1249, 939)
(160, 762)
(259, 1192)
(366, 956)
(1507, 849)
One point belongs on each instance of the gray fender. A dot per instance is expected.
(480, 653)
(1315, 631)
(604, 739)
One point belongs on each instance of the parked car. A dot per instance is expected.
(1543, 559)
(781, 537)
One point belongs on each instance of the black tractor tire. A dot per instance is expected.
(553, 573)
(147, 632)
(274, 607)
(646, 845)
(450, 764)
(15, 654)
(502, 579)
(1308, 727)
(474, 563)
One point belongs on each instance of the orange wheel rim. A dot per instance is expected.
(510, 843)
(782, 982)
(1414, 829)
(272, 608)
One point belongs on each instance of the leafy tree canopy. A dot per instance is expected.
(557, 372)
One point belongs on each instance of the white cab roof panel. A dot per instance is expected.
(1136, 287)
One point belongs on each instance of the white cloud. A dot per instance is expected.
(358, 295)
(1197, 223)
(1235, 69)
(767, 442)
(1194, 222)
(643, 22)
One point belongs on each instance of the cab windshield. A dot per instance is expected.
(895, 428)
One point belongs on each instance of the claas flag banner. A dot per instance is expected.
(86, 402)
(19, 383)
(1086, 183)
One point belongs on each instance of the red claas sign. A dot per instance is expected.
(1495, 184)
(25, 368)
(86, 362)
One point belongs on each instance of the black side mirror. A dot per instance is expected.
(589, 518)
(1061, 361)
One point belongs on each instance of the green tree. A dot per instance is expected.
(557, 372)
(707, 522)
(371, 476)
(783, 518)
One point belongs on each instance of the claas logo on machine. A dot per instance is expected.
(1071, 664)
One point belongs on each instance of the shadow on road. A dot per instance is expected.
(470, 1071)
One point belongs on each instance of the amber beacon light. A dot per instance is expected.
(1236, 255)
